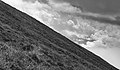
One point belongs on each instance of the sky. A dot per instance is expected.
(98, 6)
(46, 13)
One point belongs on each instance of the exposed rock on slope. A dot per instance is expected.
(27, 44)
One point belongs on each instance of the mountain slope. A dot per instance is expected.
(27, 44)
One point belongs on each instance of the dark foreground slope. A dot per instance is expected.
(27, 44)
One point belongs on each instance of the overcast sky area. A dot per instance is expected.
(47, 11)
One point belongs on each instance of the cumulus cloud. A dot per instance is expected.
(69, 33)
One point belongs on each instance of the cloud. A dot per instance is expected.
(69, 33)
(64, 7)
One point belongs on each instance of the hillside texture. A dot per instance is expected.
(27, 44)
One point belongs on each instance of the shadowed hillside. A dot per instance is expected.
(27, 44)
